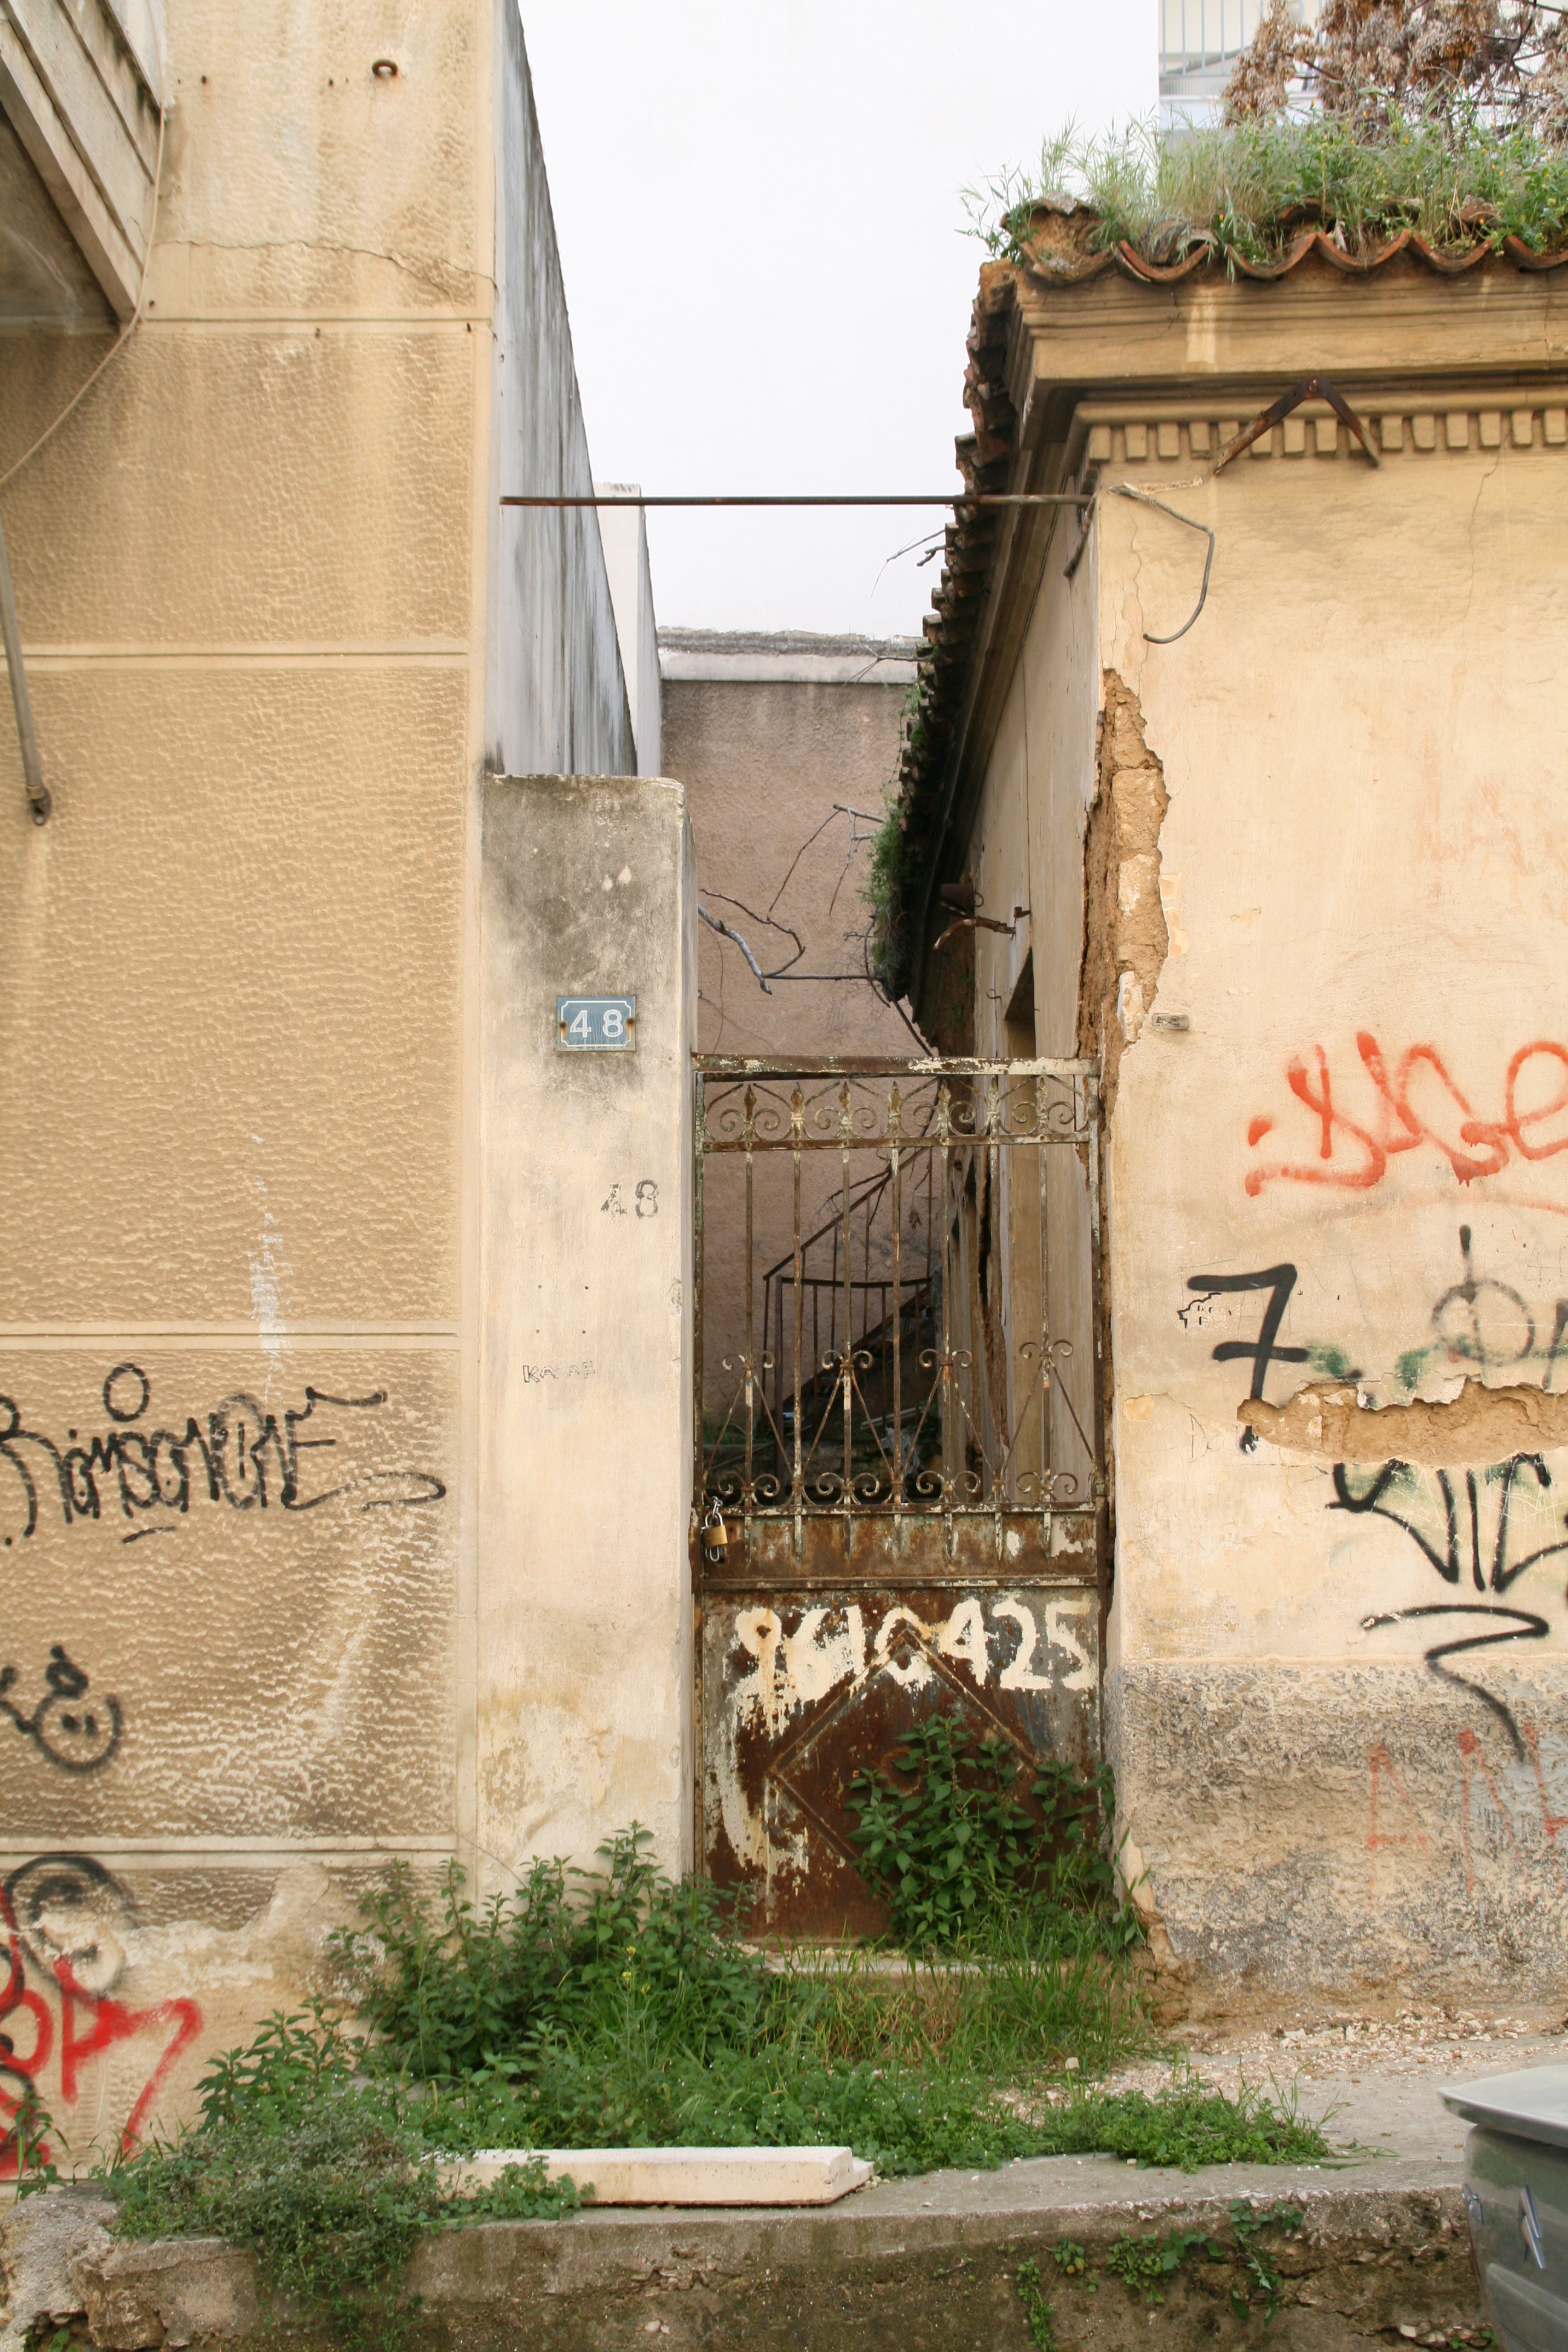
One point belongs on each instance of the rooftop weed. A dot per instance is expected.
(1245, 189)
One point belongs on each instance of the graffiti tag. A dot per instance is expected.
(245, 1455)
(1414, 1103)
(66, 1916)
(79, 1733)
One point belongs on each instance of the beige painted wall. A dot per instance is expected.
(274, 624)
(1346, 1079)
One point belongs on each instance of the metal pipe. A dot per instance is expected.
(11, 635)
(890, 498)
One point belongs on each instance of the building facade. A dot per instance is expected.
(1273, 757)
(293, 1332)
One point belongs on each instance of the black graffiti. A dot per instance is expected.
(245, 1455)
(1456, 1545)
(1526, 1627)
(1279, 1281)
(78, 1734)
(1462, 1520)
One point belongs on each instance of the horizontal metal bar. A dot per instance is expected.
(1005, 1137)
(953, 1580)
(834, 499)
(860, 1066)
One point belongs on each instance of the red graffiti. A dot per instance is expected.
(1379, 1839)
(1413, 1104)
(90, 2022)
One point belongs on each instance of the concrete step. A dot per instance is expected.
(938, 2264)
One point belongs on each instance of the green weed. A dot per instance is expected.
(1185, 2126)
(615, 2008)
(1036, 2310)
(326, 2176)
(944, 1839)
(1244, 189)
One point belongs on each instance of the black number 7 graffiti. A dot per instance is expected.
(1279, 1281)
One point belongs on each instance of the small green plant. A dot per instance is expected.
(28, 2141)
(1186, 2127)
(1069, 2258)
(1036, 2310)
(523, 2193)
(327, 2177)
(1144, 2264)
(322, 2177)
(945, 1840)
(884, 877)
(1258, 2270)
(941, 1837)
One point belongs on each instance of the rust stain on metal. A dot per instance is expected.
(897, 1431)
(806, 1691)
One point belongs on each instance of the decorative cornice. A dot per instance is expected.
(1089, 364)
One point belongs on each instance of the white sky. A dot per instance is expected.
(757, 205)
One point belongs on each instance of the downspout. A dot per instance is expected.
(10, 636)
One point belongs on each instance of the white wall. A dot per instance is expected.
(555, 697)
(624, 532)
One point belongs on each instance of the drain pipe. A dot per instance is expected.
(10, 636)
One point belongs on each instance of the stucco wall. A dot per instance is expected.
(1361, 873)
(584, 1633)
(257, 575)
(1319, 906)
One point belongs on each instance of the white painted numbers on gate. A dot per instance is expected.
(833, 1646)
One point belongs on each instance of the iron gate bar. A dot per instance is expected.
(971, 1131)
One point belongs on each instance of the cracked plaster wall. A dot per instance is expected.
(1337, 1691)
(273, 628)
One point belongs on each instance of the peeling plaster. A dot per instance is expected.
(1479, 1427)
(1126, 937)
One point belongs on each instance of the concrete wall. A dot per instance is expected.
(1307, 863)
(556, 698)
(274, 623)
(584, 1676)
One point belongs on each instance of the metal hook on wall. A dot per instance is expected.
(1125, 490)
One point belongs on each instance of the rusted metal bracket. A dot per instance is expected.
(10, 636)
(1311, 387)
(980, 923)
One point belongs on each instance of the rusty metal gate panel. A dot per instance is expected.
(898, 1494)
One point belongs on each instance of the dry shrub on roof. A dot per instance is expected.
(1372, 62)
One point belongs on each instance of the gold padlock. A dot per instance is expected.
(715, 1535)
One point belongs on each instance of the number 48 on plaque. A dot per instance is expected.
(597, 1024)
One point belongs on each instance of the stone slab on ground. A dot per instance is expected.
(683, 2176)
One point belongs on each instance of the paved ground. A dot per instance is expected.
(1372, 2082)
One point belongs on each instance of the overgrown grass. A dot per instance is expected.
(325, 2175)
(624, 2011)
(615, 2008)
(1245, 189)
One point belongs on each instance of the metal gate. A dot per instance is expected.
(899, 1492)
